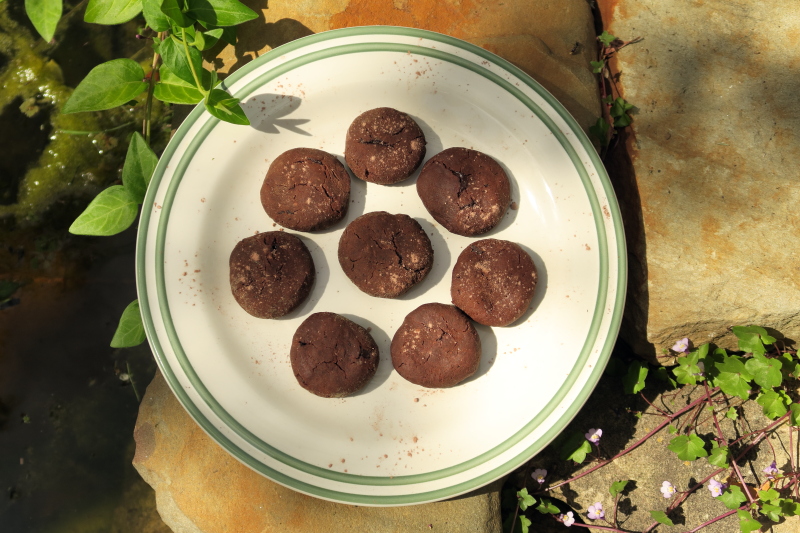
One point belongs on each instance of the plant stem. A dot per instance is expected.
(604, 528)
(720, 517)
(148, 108)
(191, 66)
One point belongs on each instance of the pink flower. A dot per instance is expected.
(539, 474)
(594, 435)
(681, 346)
(667, 489)
(596, 511)
(716, 487)
(772, 470)
(567, 519)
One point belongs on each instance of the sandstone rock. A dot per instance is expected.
(551, 41)
(716, 128)
(201, 488)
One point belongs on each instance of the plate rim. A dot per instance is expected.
(569, 411)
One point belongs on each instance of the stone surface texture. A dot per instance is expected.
(553, 41)
(717, 129)
(201, 488)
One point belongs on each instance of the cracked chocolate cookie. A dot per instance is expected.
(271, 273)
(436, 346)
(332, 356)
(384, 146)
(385, 255)
(466, 191)
(493, 282)
(306, 189)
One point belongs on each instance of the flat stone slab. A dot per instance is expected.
(201, 488)
(715, 84)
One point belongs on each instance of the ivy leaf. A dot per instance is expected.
(733, 384)
(606, 38)
(112, 11)
(769, 496)
(672, 429)
(524, 524)
(546, 507)
(687, 370)
(225, 107)
(663, 375)
(633, 381)
(733, 497)
(107, 85)
(155, 18)
(794, 418)
(774, 403)
(719, 456)
(597, 66)
(617, 487)
(773, 512)
(576, 448)
(732, 413)
(112, 211)
(174, 57)
(44, 15)
(746, 522)
(130, 331)
(623, 121)
(525, 500)
(221, 12)
(661, 517)
(177, 12)
(766, 372)
(140, 162)
(600, 131)
(688, 447)
(752, 339)
(173, 90)
(790, 507)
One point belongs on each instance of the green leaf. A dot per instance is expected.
(576, 448)
(746, 522)
(752, 339)
(773, 512)
(769, 496)
(732, 413)
(619, 108)
(221, 12)
(617, 487)
(733, 384)
(672, 429)
(525, 500)
(112, 11)
(661, 517)
(174, 56)
(719, 456)
(524, 524)
(8, 288)
(546, 507)
(600, 131)
(633, 381)
(107, 85)
(597, 66)
(623, 121)
(790, 507)
(225, 107)
(662, 374)
(140, 162)
(766, 372)
(155, 18)
(732, 497)
(44, 15)
(210, 38)
(794, 418)
(177, 12)
(173, 90)
(774, 403)
(112, 211)
(606, 38)
(688, 447)
(687, 370)
(130, 331)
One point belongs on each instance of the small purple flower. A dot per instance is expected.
(567, 519)
(716, 487)
(667, 489)
(772, 470)
(594, 435)
(596, 511)
(539, 474)
(681, 346)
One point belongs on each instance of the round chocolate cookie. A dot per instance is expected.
(466, 191)
(385, 255)
(306, 189)
(493, 282)
(332, 356)
(436, 346)
(384, 146)
(271, 273)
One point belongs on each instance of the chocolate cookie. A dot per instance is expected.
(332, 356)
(385, 255)
(271, 273)
(384, 146)
(466, 191)
(436, 346)
(306, 189)
(493, 282)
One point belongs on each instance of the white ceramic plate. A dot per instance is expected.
(393, 443)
